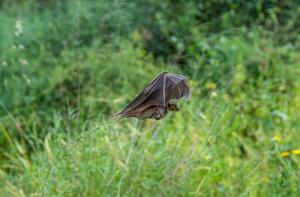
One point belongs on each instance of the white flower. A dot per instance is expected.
(5, 83)
(21, 46)
(4, 64)
(23, 61)
(18, 28)
(213, 94)
(28, 81)
(280, 114)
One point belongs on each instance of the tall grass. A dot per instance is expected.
(68, 67)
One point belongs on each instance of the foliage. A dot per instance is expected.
(67, 66)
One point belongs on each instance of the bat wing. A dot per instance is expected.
(157, 94)
(176, 87)
(144, 98)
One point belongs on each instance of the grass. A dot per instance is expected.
(210, 148)
(60, 87)
(188, 153)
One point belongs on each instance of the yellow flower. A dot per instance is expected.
(284, 154)
(265, 179)
(193, 83)
(226, 97)
(296, 152)
(211, 85)
(277, 138)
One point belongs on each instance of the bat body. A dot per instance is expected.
(158, 97)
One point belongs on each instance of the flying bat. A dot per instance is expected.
(159, 97)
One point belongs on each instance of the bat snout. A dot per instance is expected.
(159, 113)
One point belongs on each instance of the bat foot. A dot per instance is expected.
(172, 107)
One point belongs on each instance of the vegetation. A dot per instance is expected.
(66, 67)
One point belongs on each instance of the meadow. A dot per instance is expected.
(66, 67)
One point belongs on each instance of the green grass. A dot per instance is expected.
(214, 147)
(62, 81)
(199, 151)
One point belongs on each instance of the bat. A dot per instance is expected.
(159, 97)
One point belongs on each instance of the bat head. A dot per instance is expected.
(159, 113)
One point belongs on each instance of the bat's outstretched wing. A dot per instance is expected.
(176, 87)
(157, 94)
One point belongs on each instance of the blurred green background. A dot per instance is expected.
(66, 67)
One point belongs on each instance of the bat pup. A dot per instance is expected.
(158, 97)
